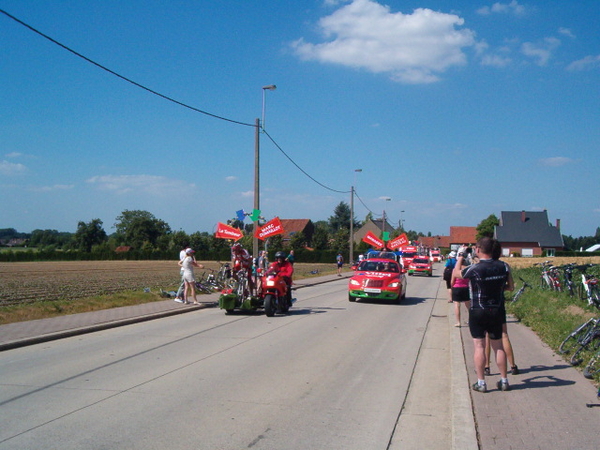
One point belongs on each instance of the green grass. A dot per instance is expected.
(551, 315)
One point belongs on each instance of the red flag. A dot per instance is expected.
(271, 228)
(398, 242)
(227, 232)
(373, 240)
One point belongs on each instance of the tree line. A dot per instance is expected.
(143, 236)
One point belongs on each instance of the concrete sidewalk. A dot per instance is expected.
(546, 408)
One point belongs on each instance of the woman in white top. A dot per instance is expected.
(188, 264)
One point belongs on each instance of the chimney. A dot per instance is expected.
(558, 224)
(523, 216)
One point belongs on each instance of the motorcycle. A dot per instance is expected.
(275, 293)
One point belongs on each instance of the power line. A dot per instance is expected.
(301, 169)
(165, 97)
(112, 72)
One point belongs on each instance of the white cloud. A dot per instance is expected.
(412, 48)
(8, 168)
(14, 155)
(589, 62)
(56, 187)
(541, 52)
(495, 61)
(556, 161)
(503, 8)
(145, 184)
(231, 178)
(566, 32)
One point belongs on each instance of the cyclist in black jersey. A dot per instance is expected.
(487, 282)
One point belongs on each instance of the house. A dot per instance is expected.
(528, 233)
(458, 236)
(293, 226)
(375, 226)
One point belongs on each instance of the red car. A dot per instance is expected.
(422, 265)
(378, 279)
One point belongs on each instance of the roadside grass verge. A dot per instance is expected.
(551, 315)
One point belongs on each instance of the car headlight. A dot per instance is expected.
(394, 284)
(354, 282)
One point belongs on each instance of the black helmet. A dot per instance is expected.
(280, 255)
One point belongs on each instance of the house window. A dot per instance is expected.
(551, 252)
(527, 252)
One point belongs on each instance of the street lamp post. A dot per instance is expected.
(258, 126)
(351, 252)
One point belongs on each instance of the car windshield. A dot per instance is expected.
(408, 254)
(379, 266)
(420, 261)
(382, 255)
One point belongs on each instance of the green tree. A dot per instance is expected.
(341, 217)
(140, 229)
(89, 234)
(297, 241)
(320, 240)
(486, 226)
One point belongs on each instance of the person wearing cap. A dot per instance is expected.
(188, 264)
(448, 268)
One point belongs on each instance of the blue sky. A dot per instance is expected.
(454, 110)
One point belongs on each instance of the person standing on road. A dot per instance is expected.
(487, 280)
(188, 264)
(179, 295)
(291, 258)
(340, 263)
(460, 294)
(448, 270)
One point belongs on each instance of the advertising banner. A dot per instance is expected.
(373, 240)
(271, 228)
(398, 242)
(227, 232)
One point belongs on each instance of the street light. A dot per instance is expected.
(258, 126)
(401, 221)
(351, 253)
(270, 87)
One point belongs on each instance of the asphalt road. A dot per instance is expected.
(330, 375)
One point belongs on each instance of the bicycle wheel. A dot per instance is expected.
(593, 367)
(577, 357)
(572, 341)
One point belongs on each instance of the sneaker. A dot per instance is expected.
(503, 385)
(178, 300)
(514, 370)
(479, 388)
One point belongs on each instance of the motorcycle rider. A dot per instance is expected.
(241, 260)
(285, 269)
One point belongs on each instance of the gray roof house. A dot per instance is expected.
(528, 233)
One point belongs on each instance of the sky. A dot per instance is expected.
(452, 110)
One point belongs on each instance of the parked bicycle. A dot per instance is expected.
(584, 337)
(549, 278)
(521, 290)
(590, 286)
(593, 367)
(568, 278)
